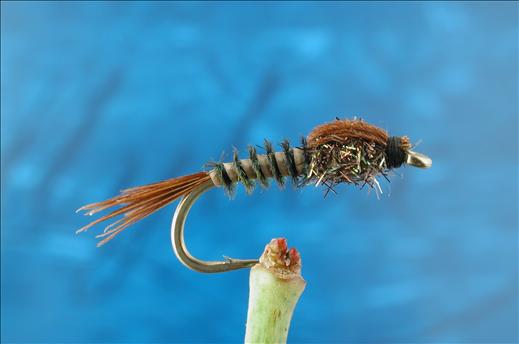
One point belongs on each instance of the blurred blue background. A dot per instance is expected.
(97, 97)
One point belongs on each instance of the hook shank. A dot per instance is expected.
(179, 246)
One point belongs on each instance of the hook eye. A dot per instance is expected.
(418, 160)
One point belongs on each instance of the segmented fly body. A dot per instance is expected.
(342, 151)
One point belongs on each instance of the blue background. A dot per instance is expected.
(97, 97)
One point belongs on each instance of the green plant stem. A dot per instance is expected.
(275, 287)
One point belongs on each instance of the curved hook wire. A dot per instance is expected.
(179, 246)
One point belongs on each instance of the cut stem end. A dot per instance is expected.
(275, 287)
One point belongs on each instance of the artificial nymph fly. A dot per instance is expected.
(342, 151)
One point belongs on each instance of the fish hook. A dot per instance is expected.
(338, 152)
(179, 246)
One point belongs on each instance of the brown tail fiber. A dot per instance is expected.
(138, 202)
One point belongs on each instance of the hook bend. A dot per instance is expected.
(179, 246)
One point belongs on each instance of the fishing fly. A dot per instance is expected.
(341, 151)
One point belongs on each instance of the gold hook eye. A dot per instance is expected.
(418, 160)
(179, 246)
